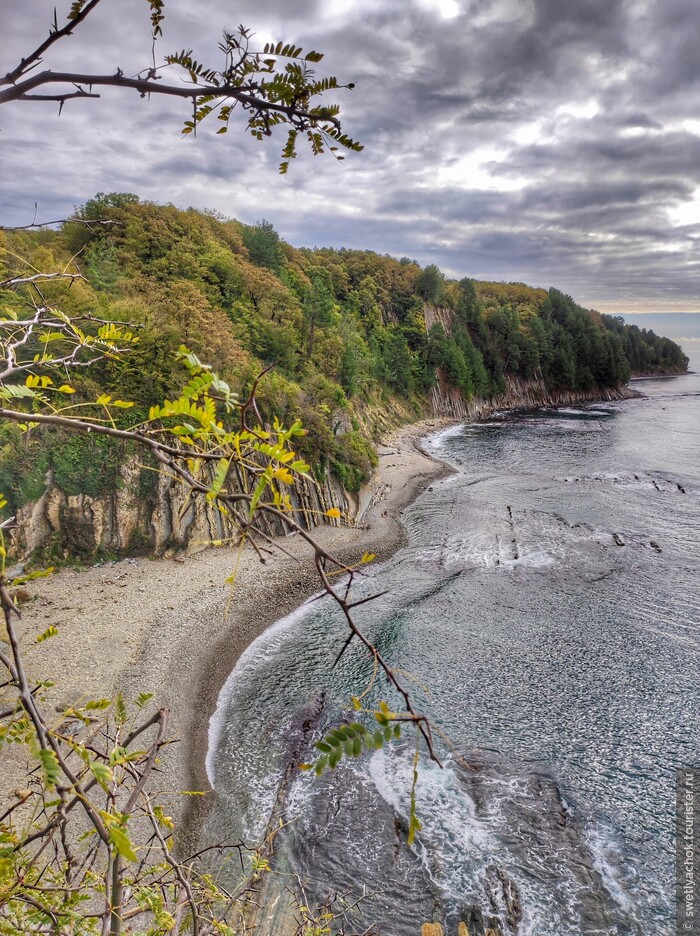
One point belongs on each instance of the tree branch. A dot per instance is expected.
(148, 86)
(34, 58)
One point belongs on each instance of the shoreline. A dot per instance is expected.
(173, 627)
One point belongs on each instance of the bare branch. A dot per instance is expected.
(39, 277)
(34, 58)
(42, 224)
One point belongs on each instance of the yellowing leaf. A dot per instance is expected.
(34, 381)
(49, 632)
(7, 867)
(284, 475)
(66, 388)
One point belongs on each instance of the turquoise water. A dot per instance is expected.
(546, 609)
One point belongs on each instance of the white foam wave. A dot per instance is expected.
(451, 832)
(534, 560)
(266, 646)
(436, 440)
(607, 861)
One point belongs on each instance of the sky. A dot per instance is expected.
(681, 327)
(552, 142)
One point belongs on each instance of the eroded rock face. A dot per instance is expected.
(165, 519)
(519, 394)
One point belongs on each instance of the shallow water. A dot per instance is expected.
(546, 608)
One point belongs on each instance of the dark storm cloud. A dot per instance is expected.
(550, 141)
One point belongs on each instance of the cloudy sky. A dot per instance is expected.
(555, 142)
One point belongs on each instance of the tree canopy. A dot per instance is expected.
(345, 330)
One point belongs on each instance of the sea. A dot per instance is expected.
(545, 615)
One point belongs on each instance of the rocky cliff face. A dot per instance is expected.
(163, 521)
(519, 394)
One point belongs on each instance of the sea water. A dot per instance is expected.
(544, 615)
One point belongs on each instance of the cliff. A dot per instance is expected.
(150, 513)
(519, 395)
(165, 521)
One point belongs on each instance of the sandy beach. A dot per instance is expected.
(175, 628)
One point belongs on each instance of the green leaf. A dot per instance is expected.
(102, 773)
(414, 824)
(97, 705)
(121, 841)
(121, 713)
(334, 758)
(7, 868)
(50, 766)
(321, 765)
(143, 698)
(219, 478)
(413, 827)
(14, 391)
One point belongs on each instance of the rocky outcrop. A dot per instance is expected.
(162, 519)
(519, 395)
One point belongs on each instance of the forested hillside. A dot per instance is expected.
(345, 329)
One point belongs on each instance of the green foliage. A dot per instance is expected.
(645, 351)
(91, 763)
(430, 284)
(351, 740)
(344, 328)
(85, 464)
(275, 87)
(264, 246)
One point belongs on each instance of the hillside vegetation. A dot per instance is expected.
(346, 330)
